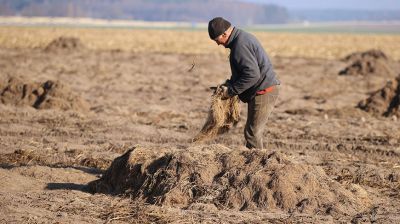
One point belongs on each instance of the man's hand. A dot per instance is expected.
(226, 83)
(224, 92)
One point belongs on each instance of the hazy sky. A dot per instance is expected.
(334, 4)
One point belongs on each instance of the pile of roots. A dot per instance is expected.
(372, 62)
(65, 44)
(46, 95)
(384, 102)
(217, 176)
(222, 116)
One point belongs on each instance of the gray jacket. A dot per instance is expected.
(251, 68)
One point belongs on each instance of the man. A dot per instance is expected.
(253, 78)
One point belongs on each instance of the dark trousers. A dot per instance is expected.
(259, 109)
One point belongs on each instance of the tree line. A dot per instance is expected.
(238, 12)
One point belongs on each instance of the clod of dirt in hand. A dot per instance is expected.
(222, 116)
(240, 179)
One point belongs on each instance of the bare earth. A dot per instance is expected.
(158, 102)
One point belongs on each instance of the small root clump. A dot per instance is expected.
(222, 116)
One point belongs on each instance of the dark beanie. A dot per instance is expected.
(217, 26)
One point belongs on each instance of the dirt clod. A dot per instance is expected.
(47, 95)
(373, 53)
(372, 62)
(385, 101)
(65, 44)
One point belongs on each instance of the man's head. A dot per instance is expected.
(219, 30)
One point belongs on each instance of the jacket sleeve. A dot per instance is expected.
(249, 72)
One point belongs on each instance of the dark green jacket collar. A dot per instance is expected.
(231, 40)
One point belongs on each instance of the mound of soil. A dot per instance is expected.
(65, 44)
(372, 62)
(385, 101)
(227, 179)
(373, 53)
(222, 116)
(47, 95)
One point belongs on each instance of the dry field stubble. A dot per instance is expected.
(327, 161)
(310, 45)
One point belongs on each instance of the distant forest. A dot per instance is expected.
(331, 15)
(240, 13)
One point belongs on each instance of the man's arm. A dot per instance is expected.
(249, 72)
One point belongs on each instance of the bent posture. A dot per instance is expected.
(253, 78)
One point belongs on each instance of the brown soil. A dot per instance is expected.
(372, 62)
(325, 161)
(68, 159)
(65, 44)
(384, 102)
(47, 95)
(373, 53)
